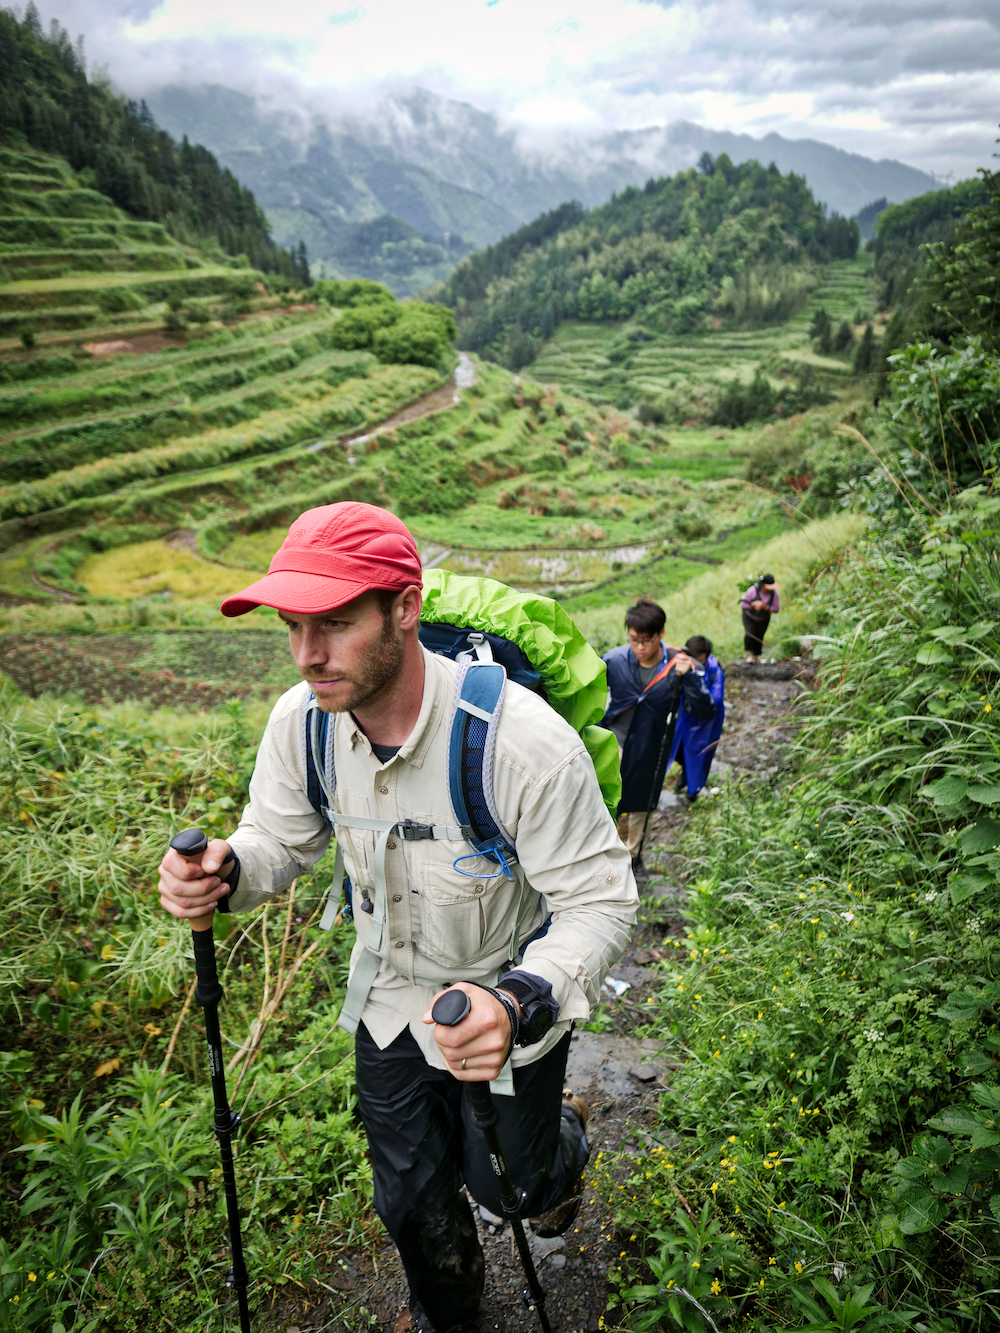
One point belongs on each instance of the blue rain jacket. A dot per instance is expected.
(655, 711)
(700, 736)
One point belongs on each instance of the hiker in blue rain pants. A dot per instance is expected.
(646, 679)
(696, 738)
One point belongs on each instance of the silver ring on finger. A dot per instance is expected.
(463, 1064)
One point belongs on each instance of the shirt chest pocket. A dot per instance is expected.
(464, 918)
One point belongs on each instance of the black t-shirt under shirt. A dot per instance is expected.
(383, 753)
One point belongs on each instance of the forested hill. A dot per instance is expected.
(115, 147)
(903, 234)
(735, 243)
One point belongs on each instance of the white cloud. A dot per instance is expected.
(909, 79)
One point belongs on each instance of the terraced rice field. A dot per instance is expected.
(149, 471)
(579, 357)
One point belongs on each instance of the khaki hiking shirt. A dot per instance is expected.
(442, 926)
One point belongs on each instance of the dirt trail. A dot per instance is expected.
(619, 1074)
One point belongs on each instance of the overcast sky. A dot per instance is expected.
(908, 79)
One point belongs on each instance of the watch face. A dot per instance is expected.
(536, 1022)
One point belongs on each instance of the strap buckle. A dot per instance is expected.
(412, 831)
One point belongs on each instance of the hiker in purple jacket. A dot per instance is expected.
(760, 602)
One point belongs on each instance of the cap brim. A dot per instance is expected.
(296, 594)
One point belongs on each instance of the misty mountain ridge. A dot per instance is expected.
(452, 178)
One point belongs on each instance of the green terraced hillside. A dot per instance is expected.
(144, 477)
(71, 260)
(680, 373)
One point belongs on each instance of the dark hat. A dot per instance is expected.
(767, 580)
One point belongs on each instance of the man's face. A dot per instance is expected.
(647, 647)
(348, 655)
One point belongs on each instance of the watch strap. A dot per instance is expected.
(509, 1006)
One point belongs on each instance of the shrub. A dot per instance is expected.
(739, 403)
(354, 292)
(415, 339)
(356, 328)
(118, 300)
(430, 480)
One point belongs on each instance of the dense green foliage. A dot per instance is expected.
(963, 279)
(738, 243)
(413, 333)
(47, 101)
(834, 1000)
(115, 1144)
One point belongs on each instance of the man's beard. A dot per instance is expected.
(379, 669)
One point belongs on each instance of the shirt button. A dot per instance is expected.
(478, 889)
(610, 879)
(399, 944)
(391, 846)
(384, 791)
(397, 898)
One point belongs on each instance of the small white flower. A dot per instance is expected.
(974, 924)
(848, 916)
(929, 897)
(872, 1034)
(810, 856)
(714, 791)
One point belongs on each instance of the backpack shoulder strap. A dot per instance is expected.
(321, 784)
(479, 694)
(317, 740)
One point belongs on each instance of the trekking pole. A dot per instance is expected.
(449, 1010)
(191, 844)
(653, 793)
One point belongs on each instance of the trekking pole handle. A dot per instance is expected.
(192, 845)
(449, 1010)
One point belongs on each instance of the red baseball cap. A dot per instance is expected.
(332, 555)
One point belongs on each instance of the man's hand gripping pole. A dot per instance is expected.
(191, 844)
(449, 1009)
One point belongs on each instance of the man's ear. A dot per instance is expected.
(408, 607)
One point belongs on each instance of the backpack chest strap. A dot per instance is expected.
(367, 965)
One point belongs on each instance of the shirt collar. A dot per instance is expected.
(437, 692)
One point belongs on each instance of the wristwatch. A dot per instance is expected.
(539, 1010)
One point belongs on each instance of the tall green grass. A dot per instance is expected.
(104, 1092)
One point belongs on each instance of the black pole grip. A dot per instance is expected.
(190, 844)
(451, 1007)
(209, 989)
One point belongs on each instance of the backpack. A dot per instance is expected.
(496, 635)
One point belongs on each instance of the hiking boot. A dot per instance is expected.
(639, 869)
(414, 1320)
(563, 1213)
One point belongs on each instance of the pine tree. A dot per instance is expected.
(864, 356)
(302, 265)
(821, 330)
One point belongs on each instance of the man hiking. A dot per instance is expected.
(646, 677)
(433, 913)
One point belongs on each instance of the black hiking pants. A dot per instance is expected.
(424, 1145)
(754, 629)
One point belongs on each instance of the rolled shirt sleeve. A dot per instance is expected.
(279, 835)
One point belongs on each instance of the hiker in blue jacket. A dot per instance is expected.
(646, 678)
(696, 738)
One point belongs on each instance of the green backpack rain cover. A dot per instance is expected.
(573, 676)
